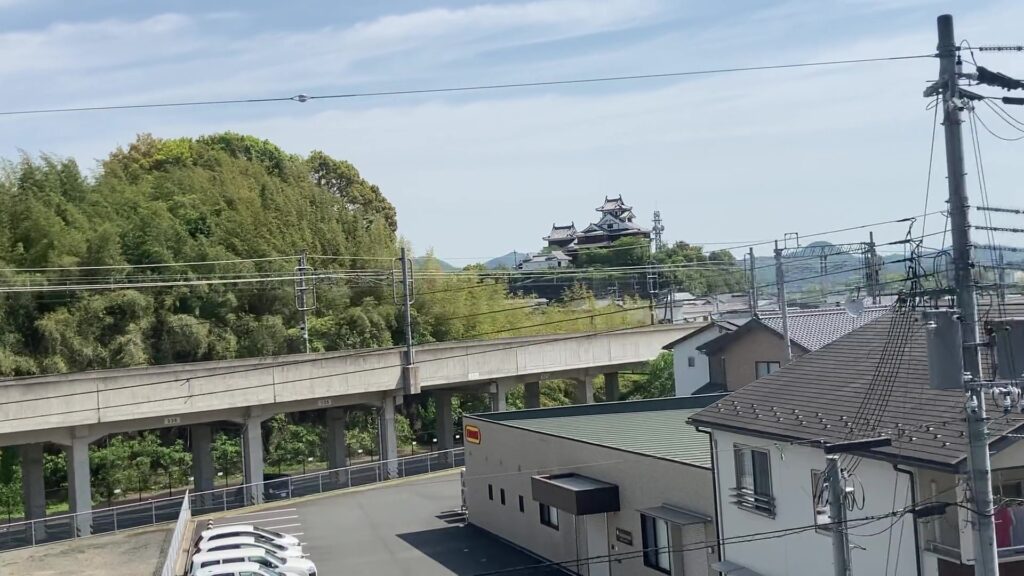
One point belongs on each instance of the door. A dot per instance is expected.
(597, 543)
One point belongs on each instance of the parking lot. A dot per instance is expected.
(410, 527)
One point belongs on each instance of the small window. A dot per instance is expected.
(654, 532)
(502, 494)
(522, 504)
(753, 489)
(691, 361)
(549, 516)
(490, 492)
(763, 369)
(209, 563)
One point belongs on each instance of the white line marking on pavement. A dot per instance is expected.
(282, 526)
(277, 511)
(260, 520)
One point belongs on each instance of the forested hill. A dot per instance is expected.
(221, 198)
(213, 198)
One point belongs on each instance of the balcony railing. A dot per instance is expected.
(746, 499)
(165, 510)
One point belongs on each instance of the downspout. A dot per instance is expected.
(913, 498)
(714, 493)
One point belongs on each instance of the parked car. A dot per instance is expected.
(238, 569)
(261, 556)
(232, 530)
(276, 487)
(249, 541)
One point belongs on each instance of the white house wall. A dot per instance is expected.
(508, 457)
(688, 379)
(810, 553)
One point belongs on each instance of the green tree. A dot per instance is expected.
(658, 383)
(227, 454)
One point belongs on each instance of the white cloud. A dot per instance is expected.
(723, 157)
(84, 47)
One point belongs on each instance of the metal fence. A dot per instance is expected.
(163, 510)
(171, 561)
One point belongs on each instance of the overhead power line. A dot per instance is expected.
(451, 89)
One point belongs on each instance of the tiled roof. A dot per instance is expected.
(657, 428)
(817, 398)
(561, 232)
(614, 204)
(813, 329)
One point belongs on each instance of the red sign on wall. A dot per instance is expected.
(472, 434)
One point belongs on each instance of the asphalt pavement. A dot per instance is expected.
(409, 527)
(124, 517)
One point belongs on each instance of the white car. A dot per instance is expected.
(230, 531)
(248, 541)
(238, 569)
(261, 556)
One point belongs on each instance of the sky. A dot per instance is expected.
(726, 158)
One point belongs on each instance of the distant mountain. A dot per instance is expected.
(507, 261)
(421, 261)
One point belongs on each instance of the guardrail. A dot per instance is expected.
(164, 510)
(171, 562)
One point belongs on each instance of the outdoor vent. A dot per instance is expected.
(1009, 334)
(945, 349)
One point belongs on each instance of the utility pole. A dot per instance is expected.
(753, 283)
(978, 460)
(409, 372)
(780, 283)
(304, 302)
(841, 560)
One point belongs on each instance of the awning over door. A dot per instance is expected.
(576, 494)
(675, 515)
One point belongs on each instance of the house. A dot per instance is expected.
(609, 489)
(690, 367)
(682, 307)
(546, 261)
(758, 347)
(768, 442)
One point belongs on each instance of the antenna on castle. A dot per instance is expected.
(657, 230)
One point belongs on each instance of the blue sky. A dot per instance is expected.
(724, 158)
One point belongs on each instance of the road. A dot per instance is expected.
(59, 528)
(413, 527)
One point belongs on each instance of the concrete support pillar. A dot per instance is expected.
(584, 390)
(203, 474)
(445, 427)
(252, 458)
(388, 438)
(499, 396)
(337, 448)
(531, 395)
(33, 491)
(79, 485)
(611, 386)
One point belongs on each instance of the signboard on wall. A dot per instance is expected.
(624, 536)
(472, 434)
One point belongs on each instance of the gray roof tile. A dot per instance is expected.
(818, 396)
(813, 329)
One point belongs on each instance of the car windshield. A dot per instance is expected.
(275, 557)
(266, 533)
